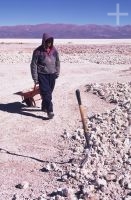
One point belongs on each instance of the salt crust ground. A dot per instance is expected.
(27, 140)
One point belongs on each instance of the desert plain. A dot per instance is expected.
(40, 159)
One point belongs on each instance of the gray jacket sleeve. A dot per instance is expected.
(33, 66)
(57, 64)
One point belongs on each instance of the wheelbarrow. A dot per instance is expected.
(28, 95)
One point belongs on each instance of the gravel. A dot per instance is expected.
(100, 54)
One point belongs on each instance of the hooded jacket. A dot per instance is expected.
(43, 61)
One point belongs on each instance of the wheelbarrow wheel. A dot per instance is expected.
(28, 101)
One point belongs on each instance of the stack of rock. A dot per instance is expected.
(100, 54)
(107, 173)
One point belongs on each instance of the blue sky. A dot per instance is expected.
(20, 12)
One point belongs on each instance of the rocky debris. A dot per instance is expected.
(15, 57)
(15, 197)
(23, 185)
(99, 54)
(127, 198)
(50, 167)
(42, 197)
(119, 93)
(107, 172)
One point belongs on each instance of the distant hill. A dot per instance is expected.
(66, 31)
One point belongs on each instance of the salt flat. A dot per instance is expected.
(70, 41)
(29, 144)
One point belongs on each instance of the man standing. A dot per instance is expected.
(45, 68)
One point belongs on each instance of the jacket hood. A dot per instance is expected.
(46, 37)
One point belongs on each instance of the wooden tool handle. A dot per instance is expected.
(78, 97)
(82, 117)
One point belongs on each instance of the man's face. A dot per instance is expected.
(48, 43)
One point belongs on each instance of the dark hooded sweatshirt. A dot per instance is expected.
(45, 62)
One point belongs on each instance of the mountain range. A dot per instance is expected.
(67, 31)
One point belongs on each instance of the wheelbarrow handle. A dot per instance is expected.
(35, 85)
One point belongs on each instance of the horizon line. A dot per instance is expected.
(64, 24)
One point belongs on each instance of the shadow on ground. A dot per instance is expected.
(19, 108)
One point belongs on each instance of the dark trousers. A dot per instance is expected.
(47, 84)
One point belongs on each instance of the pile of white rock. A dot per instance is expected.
(118, 93)
(100, 58)
(15, 57)
(100, 54)
(106, 174)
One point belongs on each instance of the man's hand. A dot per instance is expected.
(36, 82)
(56, 75)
